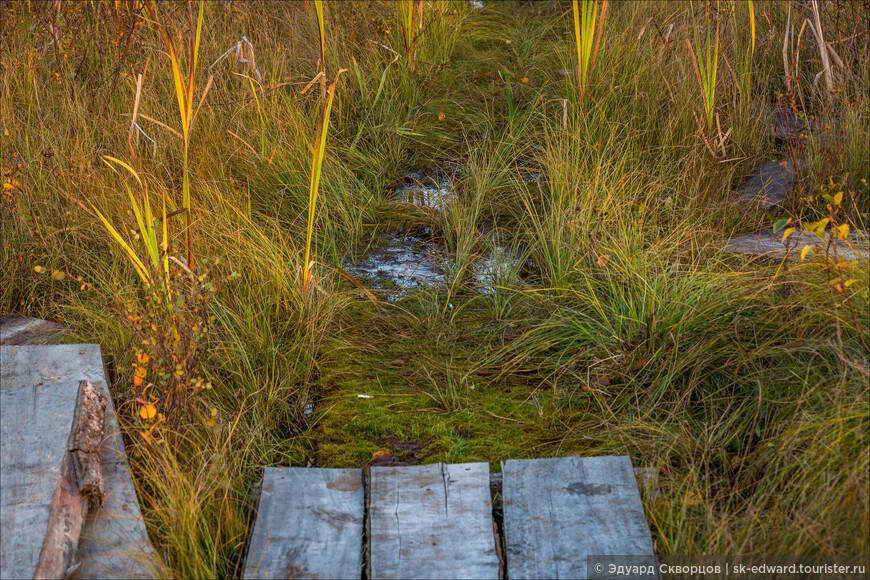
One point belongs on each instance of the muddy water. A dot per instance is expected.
(399, 262)
(429, 191)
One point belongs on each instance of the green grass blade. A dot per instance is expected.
(316, 169)
(318, 9)
(134, 259)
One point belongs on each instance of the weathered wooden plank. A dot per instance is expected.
(114, 542)
(309, 525)
(770, 245)
(559, 511)
(66, 519)
(41, 509)
(16, 329)
(645, 476)
(431, 521)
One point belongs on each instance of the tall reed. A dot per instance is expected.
(586, 14)
(316, 170)
(411, 11)
(184, 89)
(743, 54)
(147, 223)
(705, 60)
(318, 12)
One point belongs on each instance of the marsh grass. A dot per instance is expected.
(741, 384)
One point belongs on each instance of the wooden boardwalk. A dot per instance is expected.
(68, 507)
(437, 521)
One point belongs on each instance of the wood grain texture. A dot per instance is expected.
(309, 525)
(41, 510)
(114, 542)
(67, 516)
(431, 521)
(558, 511)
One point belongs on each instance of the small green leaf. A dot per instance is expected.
(779, 224)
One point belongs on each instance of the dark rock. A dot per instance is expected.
(768, 186)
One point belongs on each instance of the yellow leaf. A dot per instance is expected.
(820, 230)
(843, 230)
(37, 269)
(848, 283)
(805, 251)
(58, 275)
(148, 411)
(786, 234)
(838, 198)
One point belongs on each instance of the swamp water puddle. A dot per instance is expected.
(398, 262)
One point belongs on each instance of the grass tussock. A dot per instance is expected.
(618, 325)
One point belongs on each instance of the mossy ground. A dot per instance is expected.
(430, 388)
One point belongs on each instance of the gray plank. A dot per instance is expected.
(16, 329)
(309, 525)
(431, 521)
(41, 510)
(768, 244)
(558, 511)
(114, 542)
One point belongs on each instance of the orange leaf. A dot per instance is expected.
(148, 411)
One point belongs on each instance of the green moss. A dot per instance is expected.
(425, 388)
